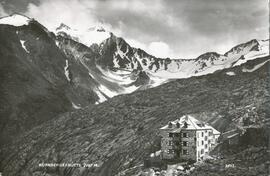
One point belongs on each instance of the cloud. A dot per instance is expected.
(53, 12)
(136, 44)
(2, 11)
(159, 49)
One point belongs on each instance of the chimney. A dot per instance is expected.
(170, 124)
(185, 124)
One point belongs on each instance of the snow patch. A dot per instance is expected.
(75, 106)
(57, 43)
(263, 51)
(15, 20)
(101, 97)
(101, 89)
(115, 62)
(123, 78)
(67, 71)
(156, 81)
(230, 73)
(130, 89)
(23, 46)
(107, 91)
(119, 76)
(255, 67)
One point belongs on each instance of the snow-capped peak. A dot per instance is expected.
(97, 29)
(264, 43)
(243, 48)
(209, 55)
(15, 20)
(87, 37)
(63, 26)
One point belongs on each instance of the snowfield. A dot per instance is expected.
(67, 71)
(23, 46)
(230, 73)
(256, 67)
(15, 20)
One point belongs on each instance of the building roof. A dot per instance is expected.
(233, 135)
(188, 122)
(215, 132)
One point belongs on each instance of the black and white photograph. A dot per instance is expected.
(134, 88)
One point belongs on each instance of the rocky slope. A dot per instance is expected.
(35, 78)
(109, 82)
(116, 135)
(40, 79)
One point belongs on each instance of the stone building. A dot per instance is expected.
(187, 139)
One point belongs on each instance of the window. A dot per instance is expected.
(177, 134)
(205, 146)
(202, 134)
(185, 143)
(202, 142)
(170, 134)
(209, 141)
(202, 151)
(185, 135)
(170, 143)
(210, 133)
(170, 151)
(185, 152)
(205, 138)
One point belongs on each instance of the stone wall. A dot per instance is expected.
(191, 145)
(165, 147)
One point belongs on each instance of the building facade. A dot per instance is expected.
(187, 139)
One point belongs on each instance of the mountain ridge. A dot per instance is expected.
(133, 58)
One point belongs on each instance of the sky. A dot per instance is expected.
(164, 28)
